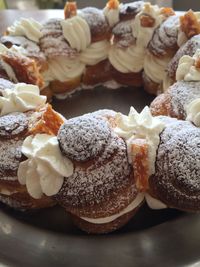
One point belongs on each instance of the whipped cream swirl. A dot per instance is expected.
(143, 34)
(155, 68)
(44, 170)
(142, 126)
(22, 97)
(95, 53)
(29, 28)
(77, 32)
(193, 112)
(127, 60)
(63, 69)
(187, 69)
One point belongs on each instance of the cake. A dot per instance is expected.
(102, 166)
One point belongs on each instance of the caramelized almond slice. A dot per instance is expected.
(113, 4)
(70, 9)
(45, 120)
(147, 21)
(139, 151)
(167, 11)
(189, 24)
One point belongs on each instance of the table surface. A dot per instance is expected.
(152, 238)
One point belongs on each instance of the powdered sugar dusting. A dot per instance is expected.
(100, 184)
(13, 124)
(10, 157)
(53, 42)
(5, 84)
(130, 9)
(84, 137)
(95, 19)
(123, 36)
(177, 178)
(30, 48)
(13, 203)
(165, 37)
(182, 94)
(189, 48)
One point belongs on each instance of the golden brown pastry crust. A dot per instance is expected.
(129, 79)
(59, 87)
(150, 86)
(97, 74)
(161, 105)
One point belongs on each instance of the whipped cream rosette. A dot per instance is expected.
(45, 168)
(188, 69)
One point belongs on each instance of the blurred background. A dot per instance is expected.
(50, 4)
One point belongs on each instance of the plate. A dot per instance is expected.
(48, 237)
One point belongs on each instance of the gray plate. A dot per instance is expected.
(48, 237)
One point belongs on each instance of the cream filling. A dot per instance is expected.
(136, 202)
(77, 32)
(63, 69)
(154, 203)
(127, 60)
(155, 68)
(95, 53)
(7, 192)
